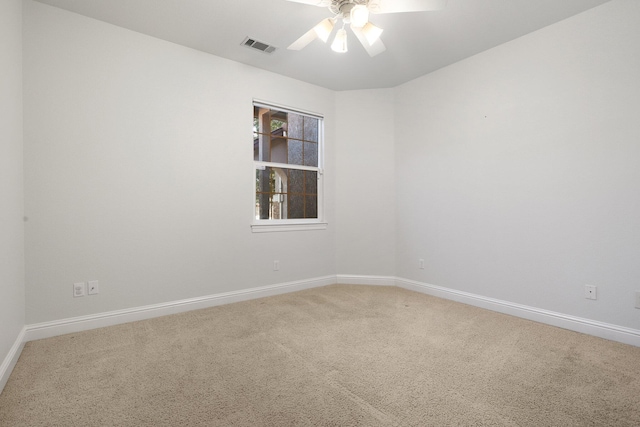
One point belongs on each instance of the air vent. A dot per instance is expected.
(254, 44)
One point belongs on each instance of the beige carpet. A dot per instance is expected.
(333, 356)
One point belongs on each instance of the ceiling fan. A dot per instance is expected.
(356, 14)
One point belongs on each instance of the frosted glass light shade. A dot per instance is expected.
(340, 42)
(359, 16)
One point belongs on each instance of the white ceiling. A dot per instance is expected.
(417, 43)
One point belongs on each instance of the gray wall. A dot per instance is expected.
(12, 299)
(518, 170)
(365, 202)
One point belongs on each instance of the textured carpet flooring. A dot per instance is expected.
(333, 356)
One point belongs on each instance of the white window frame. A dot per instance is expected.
(299, 224)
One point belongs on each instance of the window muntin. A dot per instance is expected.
(287, 154)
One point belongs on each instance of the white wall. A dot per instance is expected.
(138, 165)
(365, 201)
(518, 170)
(12, 299)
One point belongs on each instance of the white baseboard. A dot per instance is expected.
(565, 321)
(11, 359)
(83, 323)
(77, 324)
(353, 279)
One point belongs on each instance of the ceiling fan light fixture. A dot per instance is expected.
(359, 16)
(356, 14)
(371, 33)
(324, 28)
(340, 42)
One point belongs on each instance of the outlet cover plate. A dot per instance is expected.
(637, 299)
(79, 290)
(590, 292)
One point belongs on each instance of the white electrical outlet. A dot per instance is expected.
(79, 289)
(93, 287)
(421, 263)
(590, 292)
(637, 299)
(276, 265)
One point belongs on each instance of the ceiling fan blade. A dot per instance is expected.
(321, 31)
(303, 41)
(319, 3)
(399, 6)
(373, 49)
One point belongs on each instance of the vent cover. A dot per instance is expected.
(254, 44)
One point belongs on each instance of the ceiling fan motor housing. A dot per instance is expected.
(343, 7)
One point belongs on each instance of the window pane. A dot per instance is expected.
(278, 150)
(256, 149)
(261, 148)
(270, 193)
(311, 206)
(261, 120)
(256, 115)
(278, 122)
(295, 207)
(310, 154)
(311, 182)
(264, 189)
(295, 152)
(311, 129)
(295, 126)
(296, 182)
(286, 194)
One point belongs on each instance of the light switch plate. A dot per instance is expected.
(93, 287)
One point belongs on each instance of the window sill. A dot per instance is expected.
(271, 228)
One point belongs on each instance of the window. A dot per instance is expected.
(287, 155)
